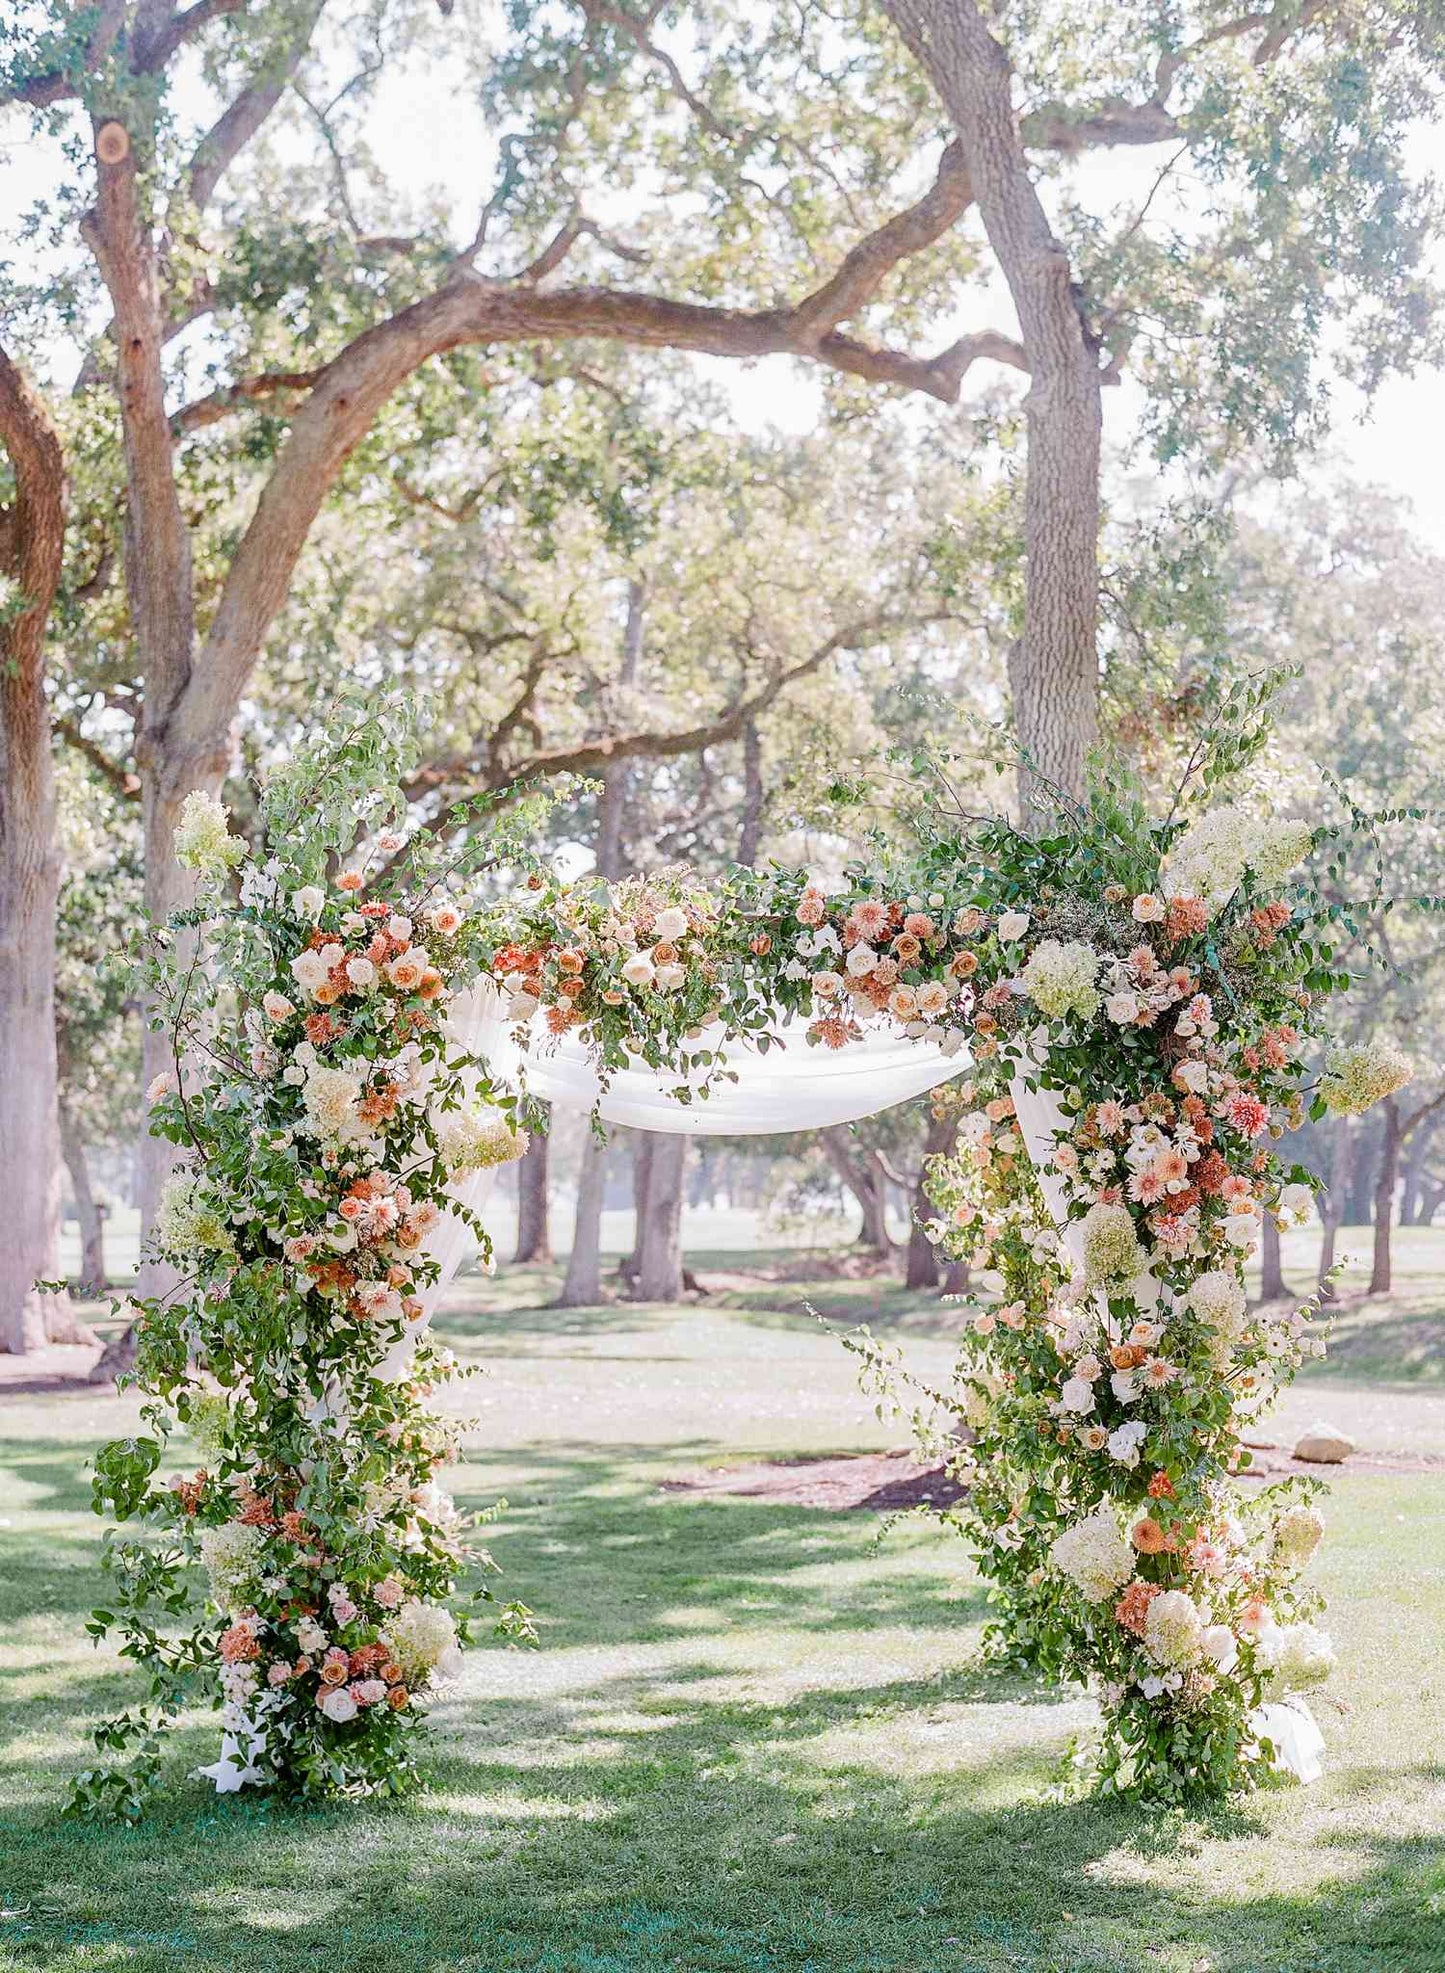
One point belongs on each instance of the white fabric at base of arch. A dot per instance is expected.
(796, 1085)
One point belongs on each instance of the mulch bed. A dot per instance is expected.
(888, 1482)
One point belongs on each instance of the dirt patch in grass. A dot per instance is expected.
(888, 1482)
(881, 1481)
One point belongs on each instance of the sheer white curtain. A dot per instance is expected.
(794, 1086)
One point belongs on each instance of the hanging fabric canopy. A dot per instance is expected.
(796, 1085)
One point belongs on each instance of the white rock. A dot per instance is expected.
(1324, 1445)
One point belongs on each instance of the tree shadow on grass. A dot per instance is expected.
(725, 1761)
(706, 1839)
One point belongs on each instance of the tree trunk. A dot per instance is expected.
(863, 1174)
(29, 875)
(659, 1233)
(1412, 1194)
(534, 1236)
(92, 1221)
(582, 1285)
(1386, 1180)
(1342, 1159)
(956, 1278)
(923, 1264)
(750, 833)
(1272, 1285)
(642, 1143)
(1054, 666)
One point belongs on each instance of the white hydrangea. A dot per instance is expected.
(1111, 1245)
(231, 1555)
(331, 1097)
(189, 1223)
(203, 839)
(423, 1640)
(1094, 1555)
(1297, 1534)
(471, 1140)
(1296, 1655)
(1174, 1630)
(1217, 1297)
(1358, 1077)
(1059, 979)
(209, 1423)
(1210, 859)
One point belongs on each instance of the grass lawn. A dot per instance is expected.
(755, 1737)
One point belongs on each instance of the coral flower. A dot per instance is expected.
(1148, 1537)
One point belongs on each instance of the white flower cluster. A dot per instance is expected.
(231, 1555)
(423, 1640)
(1209, 860)
(188, 1222)
(209, 1423)
(203, 839)
(331, 1097)
(1358, 1077)
(1111, 1245)
(1295, 1655)
(1174, 1630)
(1094, 1555)
(1297, 1534)
(1218, 1299)
(470, 1141)
(1059, 979)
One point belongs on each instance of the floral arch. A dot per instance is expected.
(1125, 1010)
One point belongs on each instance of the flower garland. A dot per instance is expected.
(326, 1125)
(1138, 1000)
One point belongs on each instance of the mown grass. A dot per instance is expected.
(753, 1738)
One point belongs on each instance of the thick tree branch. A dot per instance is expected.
(219, 404)
(120, 778)
(234, 129)
(1116, 121)
(57, 85)
(154, 48)
(867, 265)
(456, 780)
(562, 243)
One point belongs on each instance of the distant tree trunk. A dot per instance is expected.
(1342, 1158)
(642, 1143)
(582, 1284)
(659, 1233)
(88, 1213)
(534, 1236)
(862, 1173)
(1412, 1195)
(31, 549)
(750, 834)
(1054, 664)
(1387, 1178)
(1272, 1285)
(923, 1265)
(1431, 1196)
(956, 1278)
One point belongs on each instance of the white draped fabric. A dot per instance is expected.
(794, 1086)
